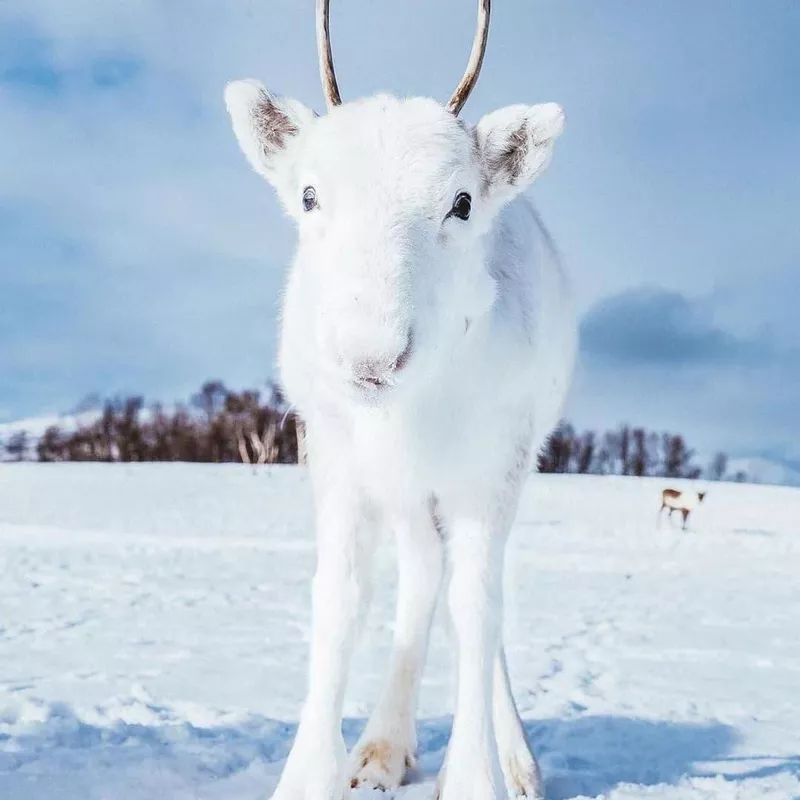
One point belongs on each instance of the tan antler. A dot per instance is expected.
(328, 75)
(326, 72)
(464, 89)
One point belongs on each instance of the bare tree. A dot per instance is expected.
(625, 466)
(718, 467)
(17, 446)
(586, 453)
(640, 461)
(676, 457)
(50, 446)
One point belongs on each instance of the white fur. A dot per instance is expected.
(685, 500)
(439, 453)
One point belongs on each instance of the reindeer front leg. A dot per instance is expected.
(475, 550)
(387, 748)
(315, 769)
(520, 768)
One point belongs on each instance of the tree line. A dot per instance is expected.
(222, 425)
(629, 451)
(217, 425)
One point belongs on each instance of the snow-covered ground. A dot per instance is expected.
(154, 623)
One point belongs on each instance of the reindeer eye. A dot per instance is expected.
(462, 206)
(309, 198)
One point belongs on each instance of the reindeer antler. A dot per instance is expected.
(464, 89)
(328, 75)
(329, 85)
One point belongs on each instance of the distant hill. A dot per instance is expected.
(36, 426)
(764, 470)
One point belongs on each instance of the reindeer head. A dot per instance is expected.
(394, 202)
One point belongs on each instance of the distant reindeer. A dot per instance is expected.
(676, 500)
(427, 344)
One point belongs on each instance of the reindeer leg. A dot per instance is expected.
(315, 769)
(520, 769)
(472, 768)
(387, 748)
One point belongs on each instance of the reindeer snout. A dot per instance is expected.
(380, 371)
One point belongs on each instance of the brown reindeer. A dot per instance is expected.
(685, 502)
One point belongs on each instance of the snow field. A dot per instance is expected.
(154, 625)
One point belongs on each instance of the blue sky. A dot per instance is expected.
(139, 253)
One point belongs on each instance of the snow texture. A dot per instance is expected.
(154, 626)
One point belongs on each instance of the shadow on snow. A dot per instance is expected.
(585, 755)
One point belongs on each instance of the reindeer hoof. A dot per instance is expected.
(522, 775)
(381, 764)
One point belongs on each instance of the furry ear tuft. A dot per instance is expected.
(516, 144)
(265, 124)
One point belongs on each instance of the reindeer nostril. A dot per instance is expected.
(371, 372)
(402, 360)
(378, 372)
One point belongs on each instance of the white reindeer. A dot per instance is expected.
(428, 343)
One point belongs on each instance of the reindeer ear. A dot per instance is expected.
(516, 144)
(265, 125)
